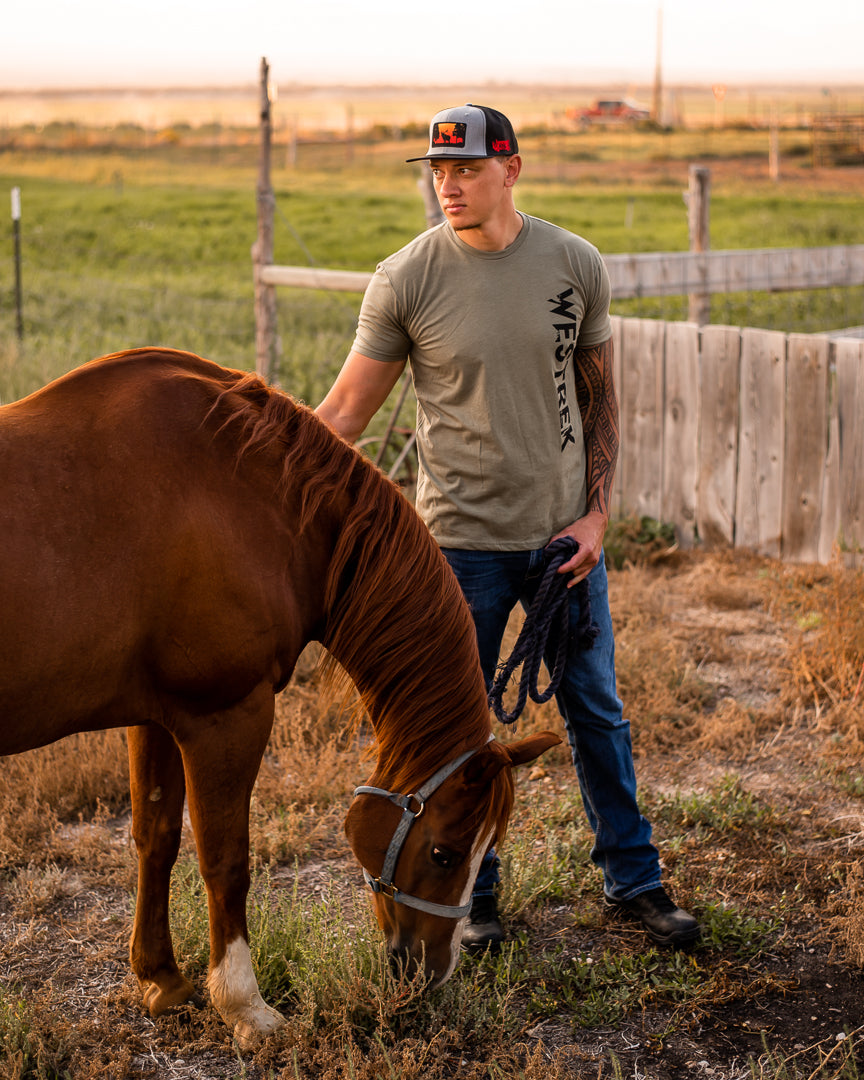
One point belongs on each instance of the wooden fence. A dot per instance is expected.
(743, 437)
(660, 273)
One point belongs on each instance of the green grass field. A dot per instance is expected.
(128, 247)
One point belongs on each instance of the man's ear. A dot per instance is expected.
(512, 169)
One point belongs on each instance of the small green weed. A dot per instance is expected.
(726, 808)
(603, 990)
(636, 540)
(546, 855)
(596, 991)
(23, 1053)
(848, 779)
(734, 932)
(837, 1060)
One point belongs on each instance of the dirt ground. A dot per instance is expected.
(800, 1000)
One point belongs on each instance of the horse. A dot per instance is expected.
(174, 534)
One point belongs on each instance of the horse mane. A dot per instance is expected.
(396, 620)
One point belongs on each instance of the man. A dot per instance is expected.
(505, 320)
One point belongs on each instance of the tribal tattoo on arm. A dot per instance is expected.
(598, 407)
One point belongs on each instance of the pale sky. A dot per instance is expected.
(93, 43)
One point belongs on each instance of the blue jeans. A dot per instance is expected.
(493, 583)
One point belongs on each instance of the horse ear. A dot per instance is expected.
(485, 766)
(531, 747)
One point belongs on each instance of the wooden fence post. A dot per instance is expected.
(434, 213)
(698, 215)
(262, 249)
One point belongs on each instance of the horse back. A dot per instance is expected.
(147, 572)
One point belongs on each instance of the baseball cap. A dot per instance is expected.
(470, 131)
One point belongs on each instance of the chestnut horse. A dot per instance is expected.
(174, 533)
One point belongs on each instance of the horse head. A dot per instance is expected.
(421, 851)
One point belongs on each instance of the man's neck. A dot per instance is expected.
(493, 235)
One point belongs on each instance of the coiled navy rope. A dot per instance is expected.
(547, 615)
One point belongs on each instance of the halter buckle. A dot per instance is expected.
(387, 888)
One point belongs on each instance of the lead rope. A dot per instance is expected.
(548, 614)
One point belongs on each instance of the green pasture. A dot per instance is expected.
(152, 246)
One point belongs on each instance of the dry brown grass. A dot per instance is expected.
(847, 923)
(312, 764)
(729, 665)
(60, 783)
(826, 663)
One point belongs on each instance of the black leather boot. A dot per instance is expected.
(666, 923)
(483, 929)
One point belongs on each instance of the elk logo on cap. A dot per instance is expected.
(448, 135)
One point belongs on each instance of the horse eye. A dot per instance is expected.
(444, 858)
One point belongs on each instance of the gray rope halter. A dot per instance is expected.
(384, 882)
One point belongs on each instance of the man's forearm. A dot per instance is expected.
(359, 390)
(598, 407)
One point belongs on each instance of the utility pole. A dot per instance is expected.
(657, 107)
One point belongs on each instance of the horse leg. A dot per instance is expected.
(158, 790)
(221, 762)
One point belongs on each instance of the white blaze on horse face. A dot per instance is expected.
(481, 846)
(234, 990)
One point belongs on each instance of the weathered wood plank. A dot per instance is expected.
(617, 507)
(829, 520)
(681, 430)
(676, 273)
(719, 367)
(759, 497)
(664, 273)
(849, 360)
(806, 446)
(313, 277)
(641, 460)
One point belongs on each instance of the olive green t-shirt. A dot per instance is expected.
(490, 339)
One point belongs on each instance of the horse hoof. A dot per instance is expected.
(250, 1031)
(159, 999)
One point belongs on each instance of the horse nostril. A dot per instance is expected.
(404, 965)
(401, 962)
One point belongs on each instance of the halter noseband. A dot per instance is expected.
(384, 883)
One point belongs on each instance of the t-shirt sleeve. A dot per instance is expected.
(596, 324)
(380, 334)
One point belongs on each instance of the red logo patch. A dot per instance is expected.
(501, 146)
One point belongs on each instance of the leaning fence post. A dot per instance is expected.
(262, 249)
(434, 213)
(16, 229)
(698, 214)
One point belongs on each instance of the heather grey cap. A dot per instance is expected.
(470, 131)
